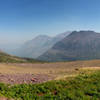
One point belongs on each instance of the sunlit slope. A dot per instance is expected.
(6, 58)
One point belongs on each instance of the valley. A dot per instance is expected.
(42, 72)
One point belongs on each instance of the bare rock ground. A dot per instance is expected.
(3, 98)
(24, 78)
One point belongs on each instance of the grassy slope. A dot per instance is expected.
(86, 86)
(13, 59)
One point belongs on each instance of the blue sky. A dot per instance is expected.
(22, 20)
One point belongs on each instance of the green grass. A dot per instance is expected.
(6, 58)
(83, 87)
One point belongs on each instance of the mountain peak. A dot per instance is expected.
(82, 32)
(39, 37)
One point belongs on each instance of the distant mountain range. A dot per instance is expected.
(82, 45)
(39, 45)
(68, 46)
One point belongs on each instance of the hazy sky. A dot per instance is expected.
(21, 20)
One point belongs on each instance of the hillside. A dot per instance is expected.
(6, 58)
(37, 46)
(82, 45)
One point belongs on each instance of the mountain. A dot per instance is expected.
(80, 45)
(33, 48)
(38, 45)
